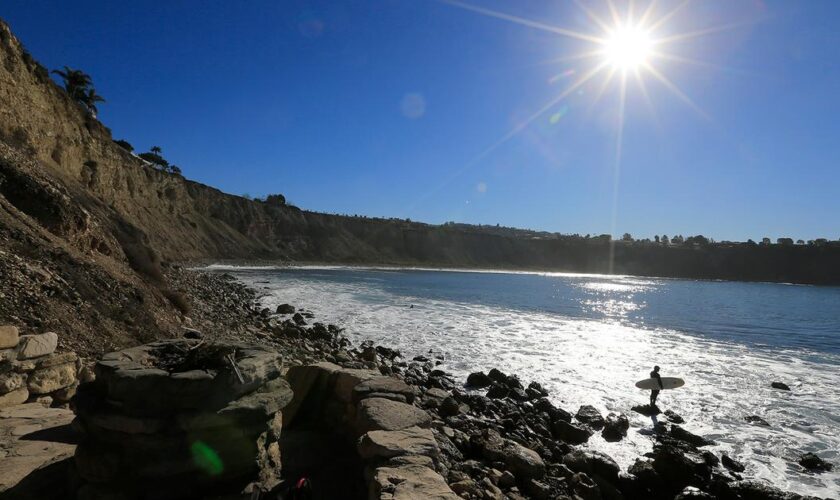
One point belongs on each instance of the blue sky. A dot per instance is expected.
(381, 107)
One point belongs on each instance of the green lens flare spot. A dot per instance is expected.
(206, 458)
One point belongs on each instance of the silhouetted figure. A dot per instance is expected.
(655, 392)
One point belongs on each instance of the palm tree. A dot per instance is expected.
(76, 82)
(156, 150)
(90, 100)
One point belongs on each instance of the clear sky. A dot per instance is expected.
(392, 108)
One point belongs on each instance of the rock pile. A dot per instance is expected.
(179, 418)
(30, 369)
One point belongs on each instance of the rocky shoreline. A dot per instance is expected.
(484, 426)
(364, 422)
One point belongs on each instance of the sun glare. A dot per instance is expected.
(627, 47)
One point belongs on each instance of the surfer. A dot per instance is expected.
(654, 393)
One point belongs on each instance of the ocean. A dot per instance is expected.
(589, 338)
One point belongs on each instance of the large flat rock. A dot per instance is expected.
(33, 438)
(388, 444)
(383, 414)
(409, 482)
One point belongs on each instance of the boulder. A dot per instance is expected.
(464, 487)
(285, 309)
(409, 482)
(755, 419)
(759, 490)
(346, 380)
(732, 464)
(647, 410)
(814, 463)
(53, 378)
(9, 336)
(15, 397)
(674, 417)
(11, 381)
(523, 462)
(685, 436)
(615, 427)
(383, 385)
(388, 444)
(780, 385)
(33, 346)
(584, 487)
(592, 463)
(498, 391)
(570, 433)
(479, 380)
(590, 416)
(384, 414)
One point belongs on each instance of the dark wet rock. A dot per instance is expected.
(449, 407)
(521, 461)
(570, 433)
(538, 489)
(685, 436)
(498, 391)
(678, 467)
(710, 458)
(693, 493)
(755, 419)
(647, 410)
(538, 389)
(584, 487)
(758, 490)
(732, 464)
(285, 309)
(479, 379)
(590, 416)
(497, 376)
(780, 385)
(814, 463)
(592, 463)
(645, 472)
(518, 394)
(190, 333)
(615, 427)
(298, 319)
(674, 417)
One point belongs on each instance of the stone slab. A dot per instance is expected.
(33, 346)
(32, 437)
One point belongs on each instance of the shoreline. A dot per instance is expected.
(222, 265)
(679, 444)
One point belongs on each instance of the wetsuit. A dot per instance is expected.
(655, 392)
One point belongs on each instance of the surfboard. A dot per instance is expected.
(667, 383)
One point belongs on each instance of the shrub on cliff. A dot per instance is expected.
(275, 199)
(125, 145)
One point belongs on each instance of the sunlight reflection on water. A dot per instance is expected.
(595, 360)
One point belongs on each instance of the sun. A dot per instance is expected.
(628, 47)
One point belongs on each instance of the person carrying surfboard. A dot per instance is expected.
(654, 393)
